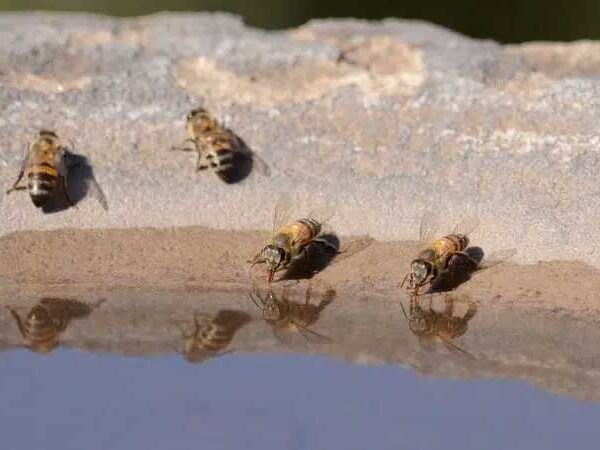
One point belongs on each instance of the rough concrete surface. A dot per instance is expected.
(383, 120)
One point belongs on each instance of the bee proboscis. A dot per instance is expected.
(289, 239)
(284, 315)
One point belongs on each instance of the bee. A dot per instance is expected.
(289, 240)
(211, 335)
(447, 256)
(45, 167)
(216, 145)
(431, 326)
(284, 315)
(48, 319)
(438, 253)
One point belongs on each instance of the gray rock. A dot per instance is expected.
(382, 120)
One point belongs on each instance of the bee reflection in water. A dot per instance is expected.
(432, 327)
(284, 315)
(47, 320)
(210, 335)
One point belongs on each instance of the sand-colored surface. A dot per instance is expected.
(200, 258)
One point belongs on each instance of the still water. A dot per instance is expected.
(122, 373)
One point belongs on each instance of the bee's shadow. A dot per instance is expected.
(460, 270)
(80, 183)
(317, 256)
(243, 163)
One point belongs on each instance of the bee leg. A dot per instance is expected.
(449, 309)
(258, 259)
(308, 295)
(201, 162)
(284, 294)
(254, 300)
(18, 320)
(183, 333)
(15, 186)
(471, 311)
(186, 146)
(404, 281)
(66, 192)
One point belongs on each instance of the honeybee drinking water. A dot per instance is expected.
(288, 240)
(211, 335)
(48, 319)
(284, 315)
(45, 167)
(437, 254)
(440, 255)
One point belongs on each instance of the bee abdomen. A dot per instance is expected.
(222, 159)
(215, 338)
(42, 180)
(313, 226)
(460, 241)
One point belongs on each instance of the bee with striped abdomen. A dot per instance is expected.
(45, 168)
(284, 315)
(289, 239)
(211, 335)
(437, 254)
(431, 326)
(218, 148)
(44, 323)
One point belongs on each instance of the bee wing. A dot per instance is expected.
(313, 337)
(26, 157)
(282, 211)
(348, 250)
(496, 258)
(427, 230)
(260, 165)
(455, 348)
(467, 225)
(322, 214)
(283, 337)
(95, 191)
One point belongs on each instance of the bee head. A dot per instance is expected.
(421, 271)
(48, 133)
(274, 257)
(201, 119)
(48, 140)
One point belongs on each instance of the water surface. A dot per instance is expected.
(119, 376)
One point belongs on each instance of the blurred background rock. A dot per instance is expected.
(504, 21)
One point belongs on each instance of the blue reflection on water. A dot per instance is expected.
(73, 400)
